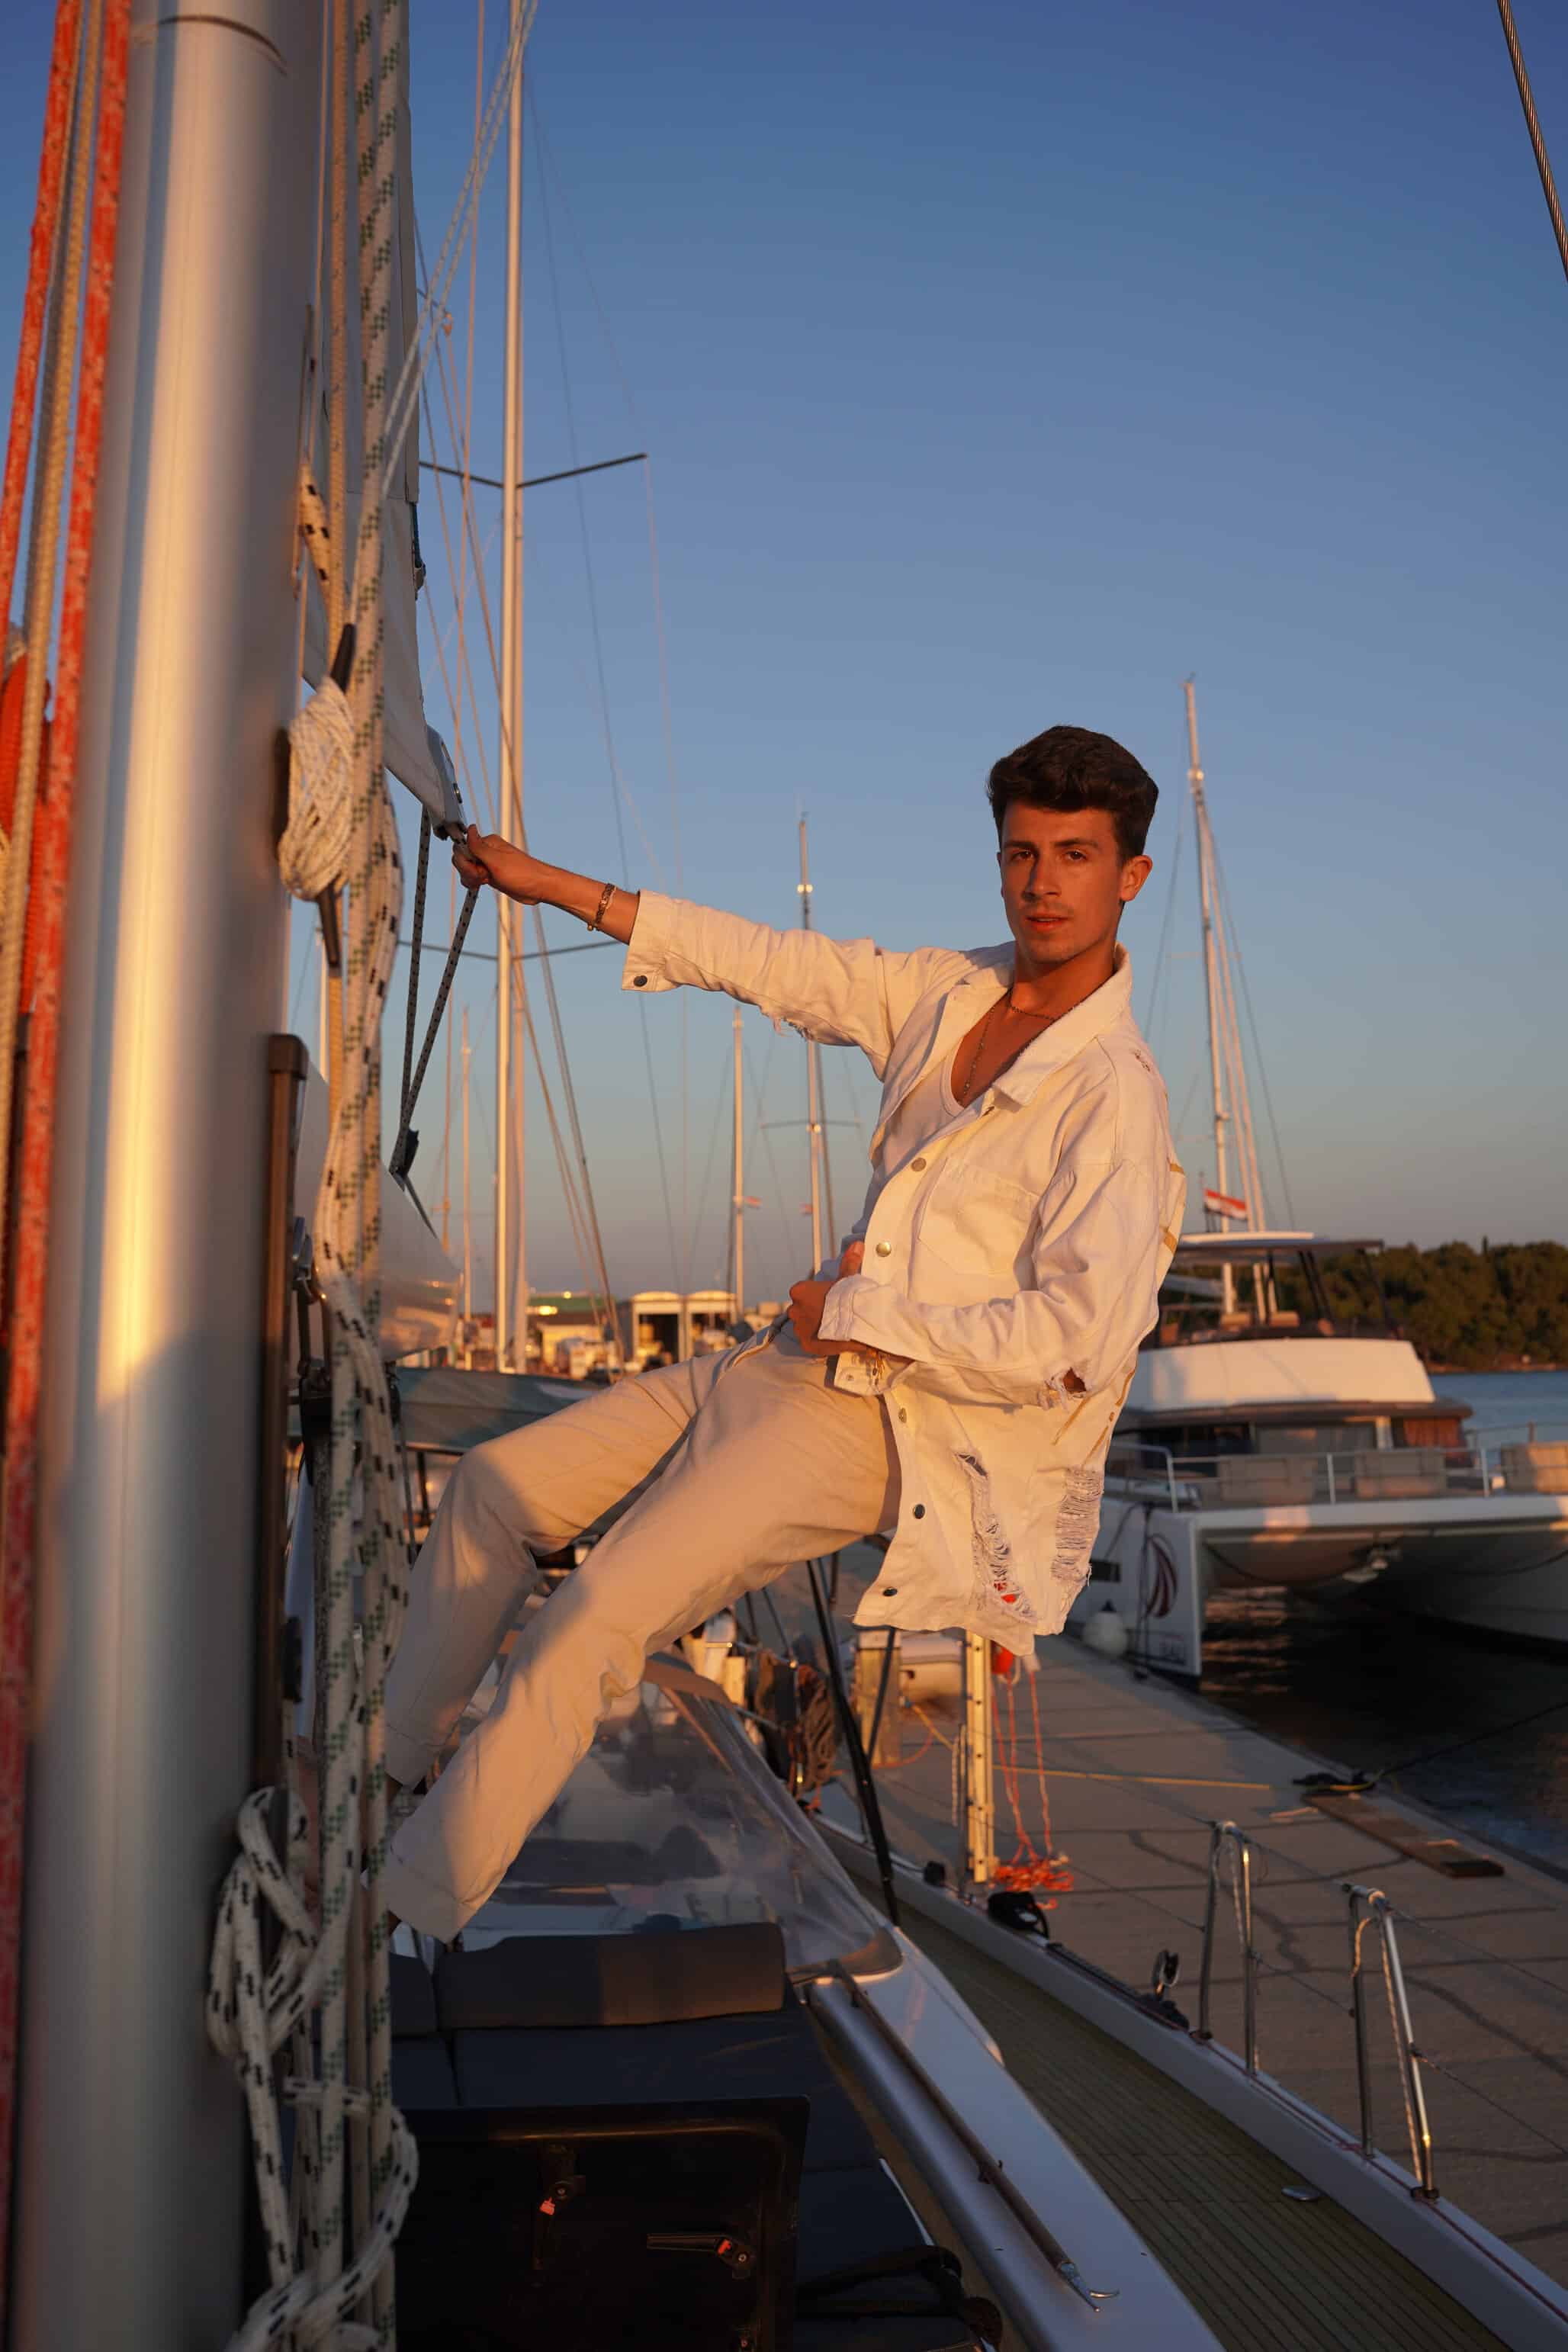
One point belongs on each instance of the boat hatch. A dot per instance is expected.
(629, 2131)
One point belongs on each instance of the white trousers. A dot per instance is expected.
(761, 1463)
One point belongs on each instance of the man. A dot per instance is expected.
(953, 1380)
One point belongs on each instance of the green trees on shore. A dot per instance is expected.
(1486, 1309)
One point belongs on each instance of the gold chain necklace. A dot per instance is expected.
(1044, 1020)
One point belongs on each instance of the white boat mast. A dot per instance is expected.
(511, 1324)
(468, 1209)
(816, 1132)
(1232, 1105)
(131, 2174)
(738, 1247)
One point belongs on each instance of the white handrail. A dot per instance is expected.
(1341, 1477)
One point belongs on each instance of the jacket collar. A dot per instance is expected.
(1111, 1003)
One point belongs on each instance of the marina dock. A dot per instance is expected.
(1134, 1771)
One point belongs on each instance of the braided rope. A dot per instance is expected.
(44, 935)
(341, 829)
(43, 552)
(377, 886)
(57, 113)
(314, 850)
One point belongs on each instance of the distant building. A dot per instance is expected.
(567, 1333)
(665, 1327)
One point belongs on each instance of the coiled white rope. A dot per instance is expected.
(313, 854)
(250, 2015)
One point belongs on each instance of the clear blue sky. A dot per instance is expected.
(1000, 366)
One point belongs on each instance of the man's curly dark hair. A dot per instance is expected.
(1071, 768)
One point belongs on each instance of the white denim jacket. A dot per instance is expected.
(1026, 1241)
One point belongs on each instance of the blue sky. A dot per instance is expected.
(1001, 366)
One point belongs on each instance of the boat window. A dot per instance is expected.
(1286, 1294)
(1439, 1430)
(1318, 1437)
(672, 1819)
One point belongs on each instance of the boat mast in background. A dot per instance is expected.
(468, 1211)
(816, 1132)
(1232, 1103)
(512, 1326)
(738, 1216)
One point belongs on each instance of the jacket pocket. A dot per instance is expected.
(977, 1225)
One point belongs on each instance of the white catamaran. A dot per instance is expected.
(1272, 1440)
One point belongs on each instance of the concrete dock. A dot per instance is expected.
(1132, 1772)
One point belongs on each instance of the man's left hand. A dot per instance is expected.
(806, 1301)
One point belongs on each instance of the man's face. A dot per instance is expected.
(1064, 881)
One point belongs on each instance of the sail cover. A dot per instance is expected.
(415, 753)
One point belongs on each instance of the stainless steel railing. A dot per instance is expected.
(1224, 1837)
(1359, 1475)
(1371, 1916)
(1371, 1913)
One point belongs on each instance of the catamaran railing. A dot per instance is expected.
(1533, 1461)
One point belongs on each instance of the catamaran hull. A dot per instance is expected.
(1496, 1563)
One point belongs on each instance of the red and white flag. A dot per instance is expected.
(1222, 1204)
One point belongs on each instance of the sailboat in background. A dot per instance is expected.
(1281, 1431)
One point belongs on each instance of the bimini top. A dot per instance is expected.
(1252, 1249)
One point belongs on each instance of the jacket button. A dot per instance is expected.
(640, 980)
(902, 1415)
(917, 1163)
(884, 1249)
(889, 1592)
(919, 1510)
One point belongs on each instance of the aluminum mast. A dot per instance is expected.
(1232, 1103)
(131, 2171)
(816, 1132)
(738, 1243)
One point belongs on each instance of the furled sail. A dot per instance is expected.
(414, 752)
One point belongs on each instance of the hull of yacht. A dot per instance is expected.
(1496, 1563)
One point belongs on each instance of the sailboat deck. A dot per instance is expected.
(1263, 2271)
(1134, 1772)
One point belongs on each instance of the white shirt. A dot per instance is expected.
(1008, 1245)
(925, 1110)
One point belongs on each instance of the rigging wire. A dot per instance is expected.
(763, 1127)
(480, 556)
(460, 600)
(569, 1090)
(588, 1210)
(1158, 976)
(1536, 140)
(722, 1100)
(688, 1228)
(575, 1209)
(617, 785)
(1261, 1065)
